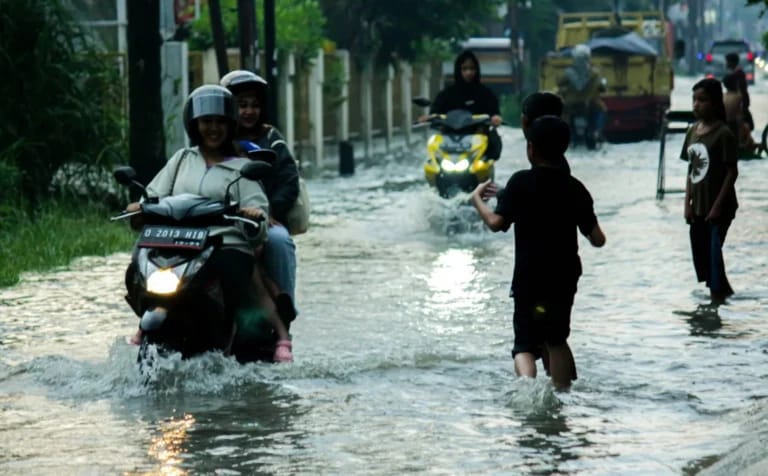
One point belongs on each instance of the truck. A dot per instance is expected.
(633, 51)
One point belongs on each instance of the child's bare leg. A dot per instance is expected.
(562, 367)
(525, 364)
(266, 302)
(263, 297)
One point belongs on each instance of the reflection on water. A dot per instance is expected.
(168, 446)
(704, 320)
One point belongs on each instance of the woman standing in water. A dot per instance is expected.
(711, 150)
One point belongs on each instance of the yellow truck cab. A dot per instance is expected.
(632, 51)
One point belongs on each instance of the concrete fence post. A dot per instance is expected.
(316, 79)
(406, 73)
(342, 110)
(287, 116)
(366, 106)
(388, 107)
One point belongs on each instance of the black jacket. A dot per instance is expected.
(282, 185)
(474, 97)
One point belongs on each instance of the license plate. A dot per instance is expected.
(157, 236)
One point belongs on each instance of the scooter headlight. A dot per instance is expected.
(461, 165)
(162, 281)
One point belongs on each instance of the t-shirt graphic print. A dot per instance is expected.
(698, 156)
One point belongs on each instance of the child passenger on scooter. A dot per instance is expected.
(281, 186)
(207, 168)
(547, 206)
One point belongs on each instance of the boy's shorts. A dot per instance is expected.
(540, 321)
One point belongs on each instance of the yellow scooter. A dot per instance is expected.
(456, 160)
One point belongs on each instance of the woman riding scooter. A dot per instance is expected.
(206, 169)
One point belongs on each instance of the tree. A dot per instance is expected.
(384, 32)
(147, 139)
(299, 26)
(60, 101)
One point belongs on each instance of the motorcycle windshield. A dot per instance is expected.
(462, 121)
(186, 206)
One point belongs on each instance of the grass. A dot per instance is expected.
(59, 233)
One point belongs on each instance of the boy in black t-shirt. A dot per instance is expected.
(547, 206)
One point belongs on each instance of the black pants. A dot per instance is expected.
(234, 269)
(707, 241)
(494, 144)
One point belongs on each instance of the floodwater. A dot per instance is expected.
(403, 346)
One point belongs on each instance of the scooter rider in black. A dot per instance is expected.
(467, 92)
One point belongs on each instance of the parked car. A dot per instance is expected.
(714, 59)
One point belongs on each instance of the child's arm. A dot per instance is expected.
(596, 237)
(688, 205)
(730, 157)
(728, 183)
(494, 221)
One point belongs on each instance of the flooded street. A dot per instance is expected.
(402, 347)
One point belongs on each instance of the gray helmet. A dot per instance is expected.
(208, 100)
(241, 80)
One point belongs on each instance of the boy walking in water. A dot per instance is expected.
(547, 206)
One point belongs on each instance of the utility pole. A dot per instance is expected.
(217, 28)
(514, 42)
(693, 34)
(270, 60)
(146, 142)
(246, 20)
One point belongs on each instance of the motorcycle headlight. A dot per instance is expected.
(461, 165)
(447, 165)
(162, 281)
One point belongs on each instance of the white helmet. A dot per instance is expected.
(581, 51)
(241, 80)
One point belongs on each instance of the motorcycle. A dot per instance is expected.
(456, 160)
(178, 299)
(585, 129)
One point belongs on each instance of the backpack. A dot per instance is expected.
(297, 218)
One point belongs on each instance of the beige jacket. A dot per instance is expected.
(195, 177)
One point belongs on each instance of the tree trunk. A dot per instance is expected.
(217, 27)
(270, 60)
(246, 16)
(147, 139)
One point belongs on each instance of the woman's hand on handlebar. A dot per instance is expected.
(496, 120)
(133, 207)
(254, 213)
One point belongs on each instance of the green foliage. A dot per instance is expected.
(201, 33)
(510, 109)
(334, 79)
(56, 234)
(62, 100)
(299, 26)
(397, 29)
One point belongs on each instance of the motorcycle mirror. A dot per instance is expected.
(421, 101)
(257, 169)
(125, 175)
(254, 170)
(264, 155)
